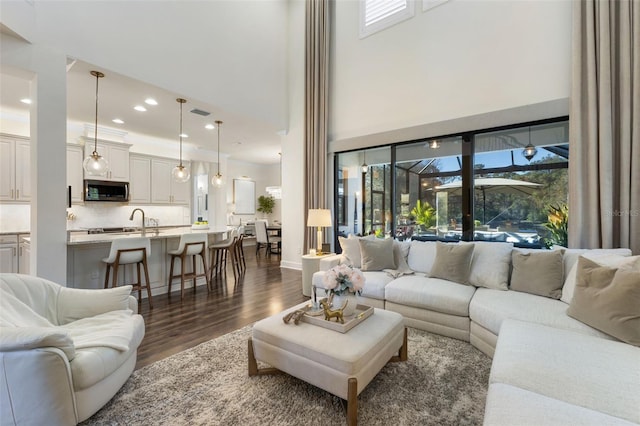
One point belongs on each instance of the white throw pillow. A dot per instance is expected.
(490, 265)
(571, 256)
(422, 254)
(601, 257)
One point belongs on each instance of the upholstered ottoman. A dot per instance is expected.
(340, 363)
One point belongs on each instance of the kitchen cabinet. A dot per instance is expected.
(24, 255)
(9, 253)
(75, 158)
(164, 190)
(140, 184)
(15, 168)
(116, 154)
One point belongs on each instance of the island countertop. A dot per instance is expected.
(152, 233)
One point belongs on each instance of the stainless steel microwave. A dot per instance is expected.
(103, 190)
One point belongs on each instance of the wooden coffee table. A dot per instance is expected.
(342, 364)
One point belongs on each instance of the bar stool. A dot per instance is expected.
(190, 245)
(127, 251)
(220, 253)
(239, 251)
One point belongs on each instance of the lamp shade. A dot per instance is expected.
(319, 217)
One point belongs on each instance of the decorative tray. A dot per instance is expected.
(362, 313)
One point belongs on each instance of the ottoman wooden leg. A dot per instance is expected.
(403, 352)
(253, 364)
(352, 402)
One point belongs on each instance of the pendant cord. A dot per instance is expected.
(180, 134)
(95, 129)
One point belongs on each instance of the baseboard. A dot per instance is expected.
(291, 265)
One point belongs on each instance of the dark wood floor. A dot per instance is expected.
(174, 325)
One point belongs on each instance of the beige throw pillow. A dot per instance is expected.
(351, 250)
(608, 299)
(453, 262)
(377, 254)
(537, 272)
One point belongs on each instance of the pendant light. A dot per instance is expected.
(95, 164)
(217, 179)
(529, 151)
(180, 172)
(364, 167)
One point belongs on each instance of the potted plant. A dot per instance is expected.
(424, 215)
(266, 204)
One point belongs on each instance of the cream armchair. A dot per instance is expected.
(64, 352)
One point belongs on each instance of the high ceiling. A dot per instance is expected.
(226, 58)
(240, 138)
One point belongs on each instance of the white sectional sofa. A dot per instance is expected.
(497, 293)
(64, 352)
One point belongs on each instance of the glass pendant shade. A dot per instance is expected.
(180, 173)
(364, 167)
(529, 152)
(95, 165)
(217, 180)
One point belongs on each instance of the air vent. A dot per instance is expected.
(200, 112)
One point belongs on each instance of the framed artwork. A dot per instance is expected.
(244, 196)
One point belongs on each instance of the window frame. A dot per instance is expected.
(384, 23)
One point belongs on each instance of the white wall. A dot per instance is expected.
(263, 175)
(460, 59)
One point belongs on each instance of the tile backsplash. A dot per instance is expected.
(103, 215)
(16, 217)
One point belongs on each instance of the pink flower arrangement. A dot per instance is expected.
(342, 279)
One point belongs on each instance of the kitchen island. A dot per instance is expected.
(85, 252)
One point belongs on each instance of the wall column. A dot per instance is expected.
(49, 166)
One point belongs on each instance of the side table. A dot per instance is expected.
(310, 265)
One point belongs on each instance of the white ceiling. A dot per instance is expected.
(225, 57)
(241, 138)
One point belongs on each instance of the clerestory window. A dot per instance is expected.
(376, 15)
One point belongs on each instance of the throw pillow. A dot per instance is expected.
(571, 256)
(377, 254)
(421, 256)
(490, 265)
(608, 299)
(453, 262)
(400, 254)
(603, 257)
(350, 250)
(537, 273)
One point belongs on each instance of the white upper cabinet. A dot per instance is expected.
(15, 168)
(117, 156)
(164, 190)
(140, 184)
(75, 158)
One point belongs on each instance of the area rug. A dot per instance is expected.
(444, 382)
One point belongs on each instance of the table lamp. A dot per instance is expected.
(320, 218)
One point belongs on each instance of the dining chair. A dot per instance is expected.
(263, 239)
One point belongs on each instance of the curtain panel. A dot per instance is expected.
(604, 171)
(316, 105)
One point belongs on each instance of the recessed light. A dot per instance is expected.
(184, 135)
(150, 101)
(117, 121)
(26, 101)
(139, 108)
(210, 126)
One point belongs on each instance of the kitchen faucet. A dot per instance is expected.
(143, 224)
